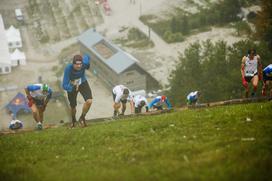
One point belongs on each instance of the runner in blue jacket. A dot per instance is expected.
(74, 81)
(158, 103)
(267, 80)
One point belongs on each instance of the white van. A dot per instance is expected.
(19, 14)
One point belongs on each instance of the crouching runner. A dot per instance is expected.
(139, 103)
(38, 96)
(121, 95)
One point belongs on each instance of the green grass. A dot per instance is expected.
(203, 144)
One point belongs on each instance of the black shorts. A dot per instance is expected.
(265, 78)
(159, 107)
(124, 101)
(38, 103)
(249, 78)
(84, 90)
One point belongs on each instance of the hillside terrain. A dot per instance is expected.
(221, 143)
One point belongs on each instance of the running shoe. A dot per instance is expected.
(39, 126)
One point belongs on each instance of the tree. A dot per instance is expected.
(174, 26)
(184, 26)
(213, 69)
(228, 10)
(264, 22)
(187, 75)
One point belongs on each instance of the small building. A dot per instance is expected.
(113, 65)
(18, 58)
(14, 37)
(5, 62)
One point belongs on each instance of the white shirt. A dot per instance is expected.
(118, 91)
(138, 99)
(251, 66)
(192, 96)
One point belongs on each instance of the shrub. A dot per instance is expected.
(242, 27)
(173, 37)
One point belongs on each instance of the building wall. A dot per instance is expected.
(133, 79)
(150, 82)
(5, 63)
(15, 63)
(14, 44)
(5, 69)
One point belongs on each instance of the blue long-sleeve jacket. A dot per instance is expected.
(157, 100)
(268, 70)
(35, 91)
(70, 74)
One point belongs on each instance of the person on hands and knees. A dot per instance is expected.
(38, 96)
(139, 102)
(74, 81)
(121, 95)
(158, 102)
(192, 98)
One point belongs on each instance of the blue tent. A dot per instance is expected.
(18, 103)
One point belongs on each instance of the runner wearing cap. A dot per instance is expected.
(38, 96)
(158, 102)
(74, 81)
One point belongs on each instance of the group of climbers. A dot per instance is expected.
(74, 81)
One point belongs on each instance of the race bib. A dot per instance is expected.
(77, 82)
(249, 73)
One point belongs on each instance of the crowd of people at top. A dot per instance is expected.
(74, 81)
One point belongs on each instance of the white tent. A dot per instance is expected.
(17, 58)
(5, 62)
(14, 37)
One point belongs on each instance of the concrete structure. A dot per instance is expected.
(5, 62)
(113, 65)
(14, 38)
(17, 58)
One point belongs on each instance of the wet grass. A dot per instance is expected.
(223, 143)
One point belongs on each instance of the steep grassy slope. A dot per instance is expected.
(223, 143)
